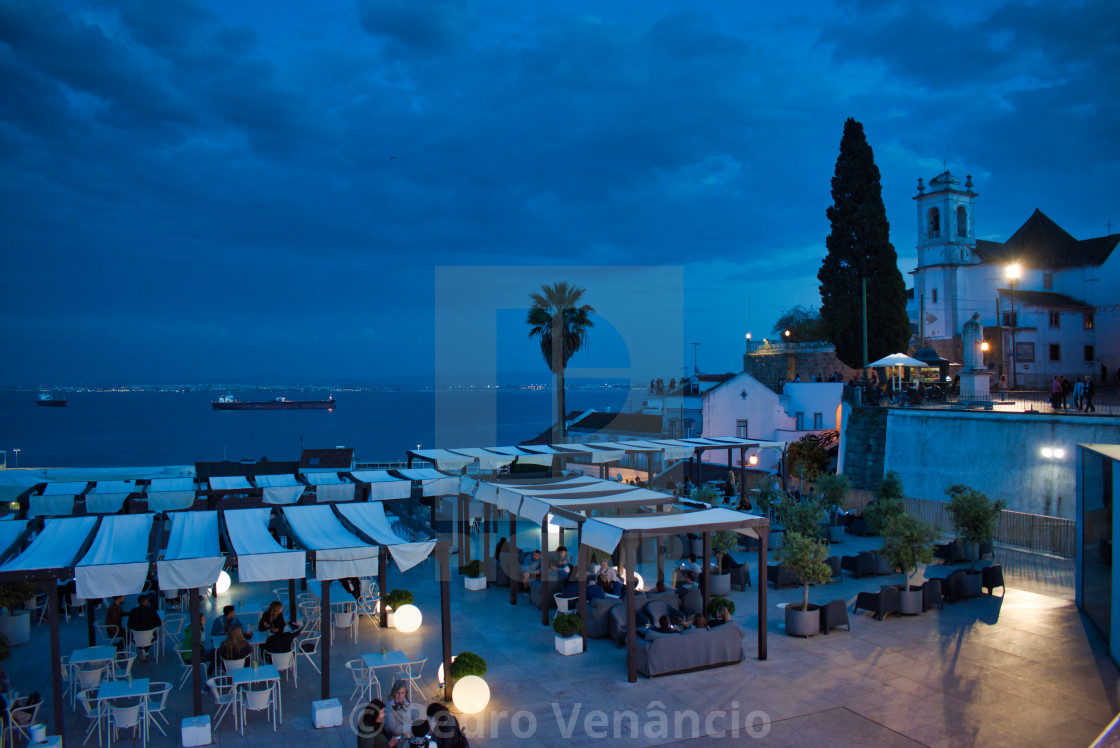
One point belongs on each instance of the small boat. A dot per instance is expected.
(48, 400)
(227, 402)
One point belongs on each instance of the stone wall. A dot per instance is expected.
(865, 435)
(768, 365)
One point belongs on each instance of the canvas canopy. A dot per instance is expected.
(171, 494)
(605, 533)
(382, 485)
(487, 460)
(444, 459)
(329, 487)
(117, 560)
(10, 530)
(107, 496)
(338, 552)
(897, 359)
(669, 451)
(433, 482)
(55, 546)
(524, 457)
(192, 559)
(371, 521)
(595, 456)
(259, 557)
(229, 483)
(279, 489)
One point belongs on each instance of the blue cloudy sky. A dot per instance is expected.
(200, 190)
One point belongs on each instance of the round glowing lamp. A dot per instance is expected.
(1047, 452)
(223, 583)
(1059, 453)
(407, 618)
(471, 694)
(439, 675)
(753, 460)
(641, 583)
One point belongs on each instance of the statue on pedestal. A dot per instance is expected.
(973, 338)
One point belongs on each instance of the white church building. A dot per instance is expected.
(1047, 301)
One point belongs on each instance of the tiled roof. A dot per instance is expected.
(1041, 243)
(1048, 299)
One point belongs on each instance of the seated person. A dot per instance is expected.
(187, 647)
(144, 618)
(659, 588)
(399, 713)
(594, 590)
(421, 736)
(279, 641)
(371, 732)
(235, 647)
(531, 569)
(664, 627)
(727, 563)
(273, 618)
(687, 583)
(353, 585)
(445, 727)
(699, 621)
(691, 564)
(560, 565)
(678, 623)
(609, 587)
(228, 621)
(114, 621)
(722, 616)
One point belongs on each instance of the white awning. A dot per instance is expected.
(487, 460)
(276, 480)
(605, 533)
(432, 481)
(322, 477)
(64, 488)
(107, 496)
(670, 452)
(279, 489)
(596, 456)
(192, 559)
(55, 546)
(382, 485)
(259, 557)
(371, 520)
(172, 484)
(444, 459)
(10, 531)
(338, 552)
(229, 483)
(50, 506)
(171, 494)
(117, 560)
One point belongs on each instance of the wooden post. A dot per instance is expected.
(91, 633)
(515, 577)
(631, 617)
(325, 635)
(763, 538)
(197, 632)
(707, 562)
(56, 655)
(382, 582)
(484, 540)
(581, 571)
(660, 559)
(444, 560)
(742, 474)
(464, 537)
(546, 587)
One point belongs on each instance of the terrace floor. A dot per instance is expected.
(1022, 669)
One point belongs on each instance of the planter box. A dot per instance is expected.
(569, 645)
(195, 731)
(803, 622)
(721, 584)
(389, 619)
(910, 602)
(16, 627)
(474, 583)
(836, 533)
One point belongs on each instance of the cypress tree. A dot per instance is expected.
(859, 246)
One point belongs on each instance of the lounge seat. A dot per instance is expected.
(741, 577)
(616, 622)
(881, 603)
(834, 564)
(833, 614)
(931, 595)
(779, 576)
(654, 609)
(695, 649)
(860, 565)
(993, 577)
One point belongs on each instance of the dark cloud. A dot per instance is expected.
(424, 28)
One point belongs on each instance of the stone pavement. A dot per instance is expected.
(1019, 669)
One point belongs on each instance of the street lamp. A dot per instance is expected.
(1013, 273)
(748, 342)
(15, 457)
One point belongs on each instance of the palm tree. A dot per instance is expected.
(561, 324)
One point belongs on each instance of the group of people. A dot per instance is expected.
(677, 624)
(1062, 390)
(237, 645)
(657, 386)
(399, 724)
(141, 618)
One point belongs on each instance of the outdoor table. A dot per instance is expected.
(89, 656)
(123, 689)
(261, 673)
(396, 658)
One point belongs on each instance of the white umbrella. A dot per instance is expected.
(897, 359)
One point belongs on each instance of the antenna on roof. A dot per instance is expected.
(1109, 228)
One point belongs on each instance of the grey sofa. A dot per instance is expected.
(696, 649)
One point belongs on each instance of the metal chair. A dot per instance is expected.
(309, 646)
(75, 602)
(157, 700)
(258, 697)
(172, 599)
(362, 685)
(410, 672)
(309, 612)
(173, 625)
(145, 640)
(40, 606)
(20, 719)
(126, 718)
(369, 605)
(186, 669)
(89, 678)
(106, 634)
(231, 665)
(285, 662)
(345, 617)
(122, 665)
(91, 708)
(221, 688)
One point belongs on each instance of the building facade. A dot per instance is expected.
(1047, 301)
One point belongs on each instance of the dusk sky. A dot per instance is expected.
(213, 190)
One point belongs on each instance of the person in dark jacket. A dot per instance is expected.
(445, 728)
(144, 618)
(371, 727)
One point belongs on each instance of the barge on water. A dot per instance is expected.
(226, 402)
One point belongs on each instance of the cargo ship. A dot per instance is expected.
(48, 400)
(226, 402)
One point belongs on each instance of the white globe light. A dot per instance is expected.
(407, 618)
(223, 583)
(1047, 452)
(471, 694)
(1059, 452)
(439, 675)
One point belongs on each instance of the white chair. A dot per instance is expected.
(186, 669)
(122, 665)
(309, 612)
(172, 599)
(126, 718)
(89, 678)
(279, 592)
(173, 625)
(76, 602)
(221, 688)
(64, 664)
(105, 636)
(157, 700)
(345, 618)
(258, 697)
(410, 672)
(369, 605)
(231, 665)
(20, 719)
(143, 640)
(308, 646)
(285, 662)
(362, 686)
(40, 608)
(91, 708)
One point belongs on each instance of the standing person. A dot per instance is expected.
(1087, 395)
(1055, 393)
(144, 618)
(1078, 389)
(1067, 389)
(1002, 386)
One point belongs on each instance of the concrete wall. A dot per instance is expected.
(768, 365)
(810, 398)
(997, 453)
(863, 445)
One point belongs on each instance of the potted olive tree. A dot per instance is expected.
(888, 503)
(804, 557)
(473, 578)
(394, 600)
(567, 627)
(907, 542)
(974, 517)
(15, 622)
(770, 499)
(834, 490)
(722, 543)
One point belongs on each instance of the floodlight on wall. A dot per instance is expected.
(471, 694)
(223, 583)
(1053, 453)
(407, 618)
